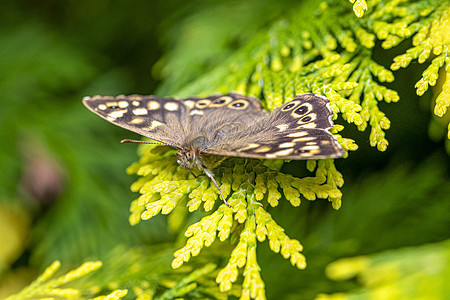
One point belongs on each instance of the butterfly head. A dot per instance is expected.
(189, 159)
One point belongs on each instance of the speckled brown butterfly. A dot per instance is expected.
(207, 129)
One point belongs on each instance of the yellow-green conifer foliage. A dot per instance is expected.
(329, 52)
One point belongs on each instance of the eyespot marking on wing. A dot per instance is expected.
(291, 105)
(307, 119)
(304, 109)
(202, 103)
(221, 101)
(238, 104)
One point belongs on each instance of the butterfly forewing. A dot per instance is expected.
(161, 119)
(173, 121)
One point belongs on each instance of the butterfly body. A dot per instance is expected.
(205, 130)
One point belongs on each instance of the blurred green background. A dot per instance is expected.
(64, 193)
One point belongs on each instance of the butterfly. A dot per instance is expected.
(206, 130)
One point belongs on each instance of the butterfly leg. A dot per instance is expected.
(211, 175)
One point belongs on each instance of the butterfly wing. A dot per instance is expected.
(150, 116)
(173, 121)
(296, 130)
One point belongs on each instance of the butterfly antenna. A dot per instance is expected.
(211, 175)
(140, 142)
(152, 143)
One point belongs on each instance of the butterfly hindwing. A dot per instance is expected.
(296, 130)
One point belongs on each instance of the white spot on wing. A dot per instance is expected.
(284, 152)
(136, 103)
(287, 145)
(140, 111)
(153, 105)
(249, 146)
(189, 104)
(137, 120)
(171, 106)
(154, 124)
(123, 104)
(263, 149)
(310, 147)
(280, 153)
(308, 125)
(282, 127)
(117, 114)
(196, 112)
(304, 139)
(297, 134)
(102, 106)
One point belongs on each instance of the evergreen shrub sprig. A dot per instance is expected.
(327, 52)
